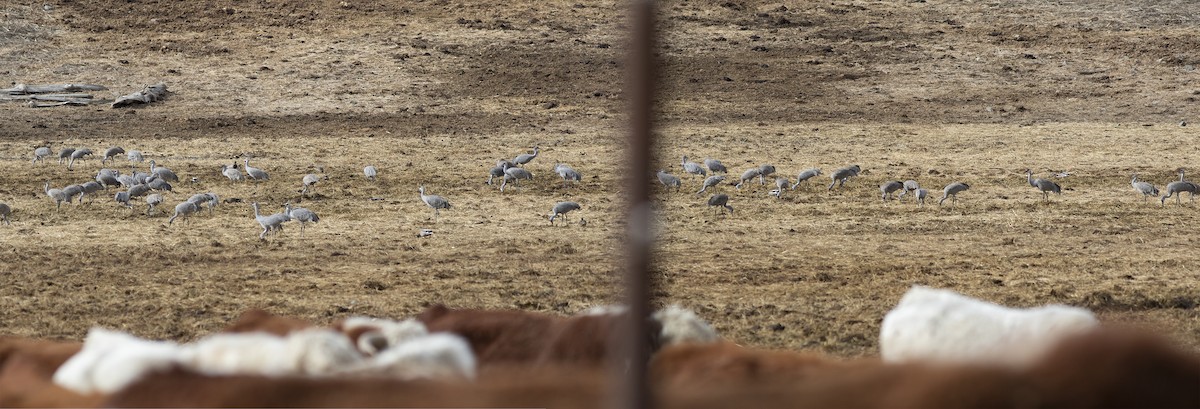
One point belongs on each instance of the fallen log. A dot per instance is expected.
(44, 97)
(36, 104)
(146, 95)
(19, 89)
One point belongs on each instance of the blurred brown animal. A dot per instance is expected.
(257, 320)
(26, 382)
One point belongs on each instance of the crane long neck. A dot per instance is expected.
(256, 215)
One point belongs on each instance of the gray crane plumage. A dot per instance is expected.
(123, 198)
(435, 201)
(952, 190)
(77, 155)
(71, 191)
(40, 154)
(497, 172)
(806, 175)
(841, 175)
(310, 181)
(370, 172)
(920, 195)
(57, 195)
(231, 173)
(764, 171)
(269, 222)
(669, 180)
(201, 199)
(1044, 185)
(526, 157)
(782, 183)
(567, 173)
(65, 154)
(164, 173)
(715, 165)
(720, 200)
(185, 209)
(110, 153)
(909, 186)
(301, 215)
(711, 181)
(1177, 189)
(134, 155)
(748, 175)
(5, 212)
(514, 174)
(255, 173)
(889, 187)
(153, 200)
(138, 190)
(1145, 188)
(89, 188)
(108, 177)
(561, 208)
(693, 167)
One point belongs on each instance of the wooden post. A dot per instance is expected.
(628, 366)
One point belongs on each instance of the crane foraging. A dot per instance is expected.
(1177, 188)
(40, 154)
(562, 208)
(111, 153)
(269, 222)
(952, 191)
(184, 209)
(370, 172)
(434, 201)
(301, 215)
(720, 200)
(1044, 185)
(5, 212)
(669, 180)
(748, 175)
(514, 174)
(841, 175)
(711, 181)
(715, 165)
(806, 175)
(77, 155)
(889, 187)
(909, 186)
(763, 172)
(231, 173)
(57, 195)
(310, 181)
(567, 173)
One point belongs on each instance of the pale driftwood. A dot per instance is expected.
(146, 95)
(45, 97)
(19, 89)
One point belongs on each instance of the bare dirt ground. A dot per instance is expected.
(433, 92)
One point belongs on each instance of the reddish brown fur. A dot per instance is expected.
(256, 320)
(724, 362)
(50, 353)
(25, 382)
(520, 337)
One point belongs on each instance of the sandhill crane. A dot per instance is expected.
(952, 190)
(841, 175)
(1044, 185)
(1177, 188)
(154, 199)
(920, 195)
(720, 200)
(164, 173)
(40, 154)
(806, 175)
(909, 186)
(310, 180)
(209, 198)
(111, 153)
(497, 172)
(231, 173)
(1145, 188)
(90, 187)
(370, 172)
(108, 177)
(5, 211)
(138, 190)
(715, 165)
(693, 167)
(123, 198)
(301, 215)
(763, 172)
(515, 175)
(748, 175)
(157, 183)
(782, 183)
(77, 155)
(711, 181)
(567, 173)
(435, 201)
(65, 154)
(526, 157)
(255, 173)
(269, 222)
(561, 208)
(889, 187)
(56, 195)
(669, 180)
(134, 156)
(71, 191)
(184, 209)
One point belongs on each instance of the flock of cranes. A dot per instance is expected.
(157, 179)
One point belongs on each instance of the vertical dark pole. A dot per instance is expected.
(629, 365)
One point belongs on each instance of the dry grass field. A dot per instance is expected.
(433, 92)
